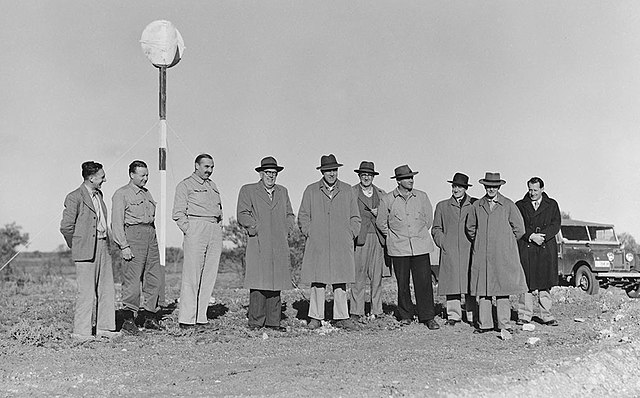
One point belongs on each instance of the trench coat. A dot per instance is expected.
(495, 264)
(449, 234)
(540, 263)
(330, 225)
(79, 224)
(268, 224)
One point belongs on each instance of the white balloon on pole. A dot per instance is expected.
(162, 43)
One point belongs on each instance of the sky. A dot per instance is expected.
(524, 88)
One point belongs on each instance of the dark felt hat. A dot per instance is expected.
(461, 179)
(269, 163)
(366, 167)
(328, 162)
(403, 171)
(491, 180)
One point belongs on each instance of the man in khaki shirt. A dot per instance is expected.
(197, 210)
(132, 222)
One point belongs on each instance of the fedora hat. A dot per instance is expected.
(403, 171)
(491, 180)
(328, 162)
(366, 167)
(269, 163)
(461, 179)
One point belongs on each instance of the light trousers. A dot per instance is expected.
(485, 309)
(454, 307)
(525, 305)
(144, 266)
(202, 248)
(95, 302)
(369, 262)
(316, 301)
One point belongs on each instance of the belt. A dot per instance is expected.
(102, 237)
(140, 225)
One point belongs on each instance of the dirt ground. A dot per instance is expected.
(594, 351)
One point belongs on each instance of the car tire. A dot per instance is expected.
(633, 292)
(586, 281)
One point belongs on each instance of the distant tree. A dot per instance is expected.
(296, 251)
(10, 239)
(174, 255)
(565, 215)
(628, 242)
(232, 257)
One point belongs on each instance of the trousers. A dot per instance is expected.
(316, 301)
(369, 262)
(503, 311)
(95, 302)
(265, 308)
(144, 266)
(419, 268)
(525, 305)
(454, 307)
(202, 248)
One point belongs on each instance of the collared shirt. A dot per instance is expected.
(102, 222)
(269, 190)
(196, 198)
(368, 192)
(131, 205)
(405, 221)
(536, 203)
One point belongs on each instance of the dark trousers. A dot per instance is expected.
(419, 267)
(265, 308)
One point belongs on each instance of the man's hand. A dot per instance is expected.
(126, 254)
(537, 238)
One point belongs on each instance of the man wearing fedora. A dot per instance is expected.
(538, 251)
(495, 224)
(449, 234)
(197, 210)
(264, 210)
(369, 251)
(404, 217)
(330, 221)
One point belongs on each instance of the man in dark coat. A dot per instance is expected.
(538, 251)
(449, 234)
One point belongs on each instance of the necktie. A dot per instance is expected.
(535, 205)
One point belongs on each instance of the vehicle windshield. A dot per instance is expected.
(574, 232)
(602, 234)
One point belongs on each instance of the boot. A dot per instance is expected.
(129, 326)
(151, 321)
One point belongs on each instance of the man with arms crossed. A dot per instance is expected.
(197, 210)
(132, 221)
(84, 227)
(538, 251)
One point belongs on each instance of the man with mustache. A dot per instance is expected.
(197, 210)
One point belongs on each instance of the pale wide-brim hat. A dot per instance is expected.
(269, 163)
(491, 180)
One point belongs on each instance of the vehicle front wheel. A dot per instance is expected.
(586, 281)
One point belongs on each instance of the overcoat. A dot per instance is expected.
(540, 263)
(330, 223)
(495, 264)
(368, 220)
(79, 223)
(450, 236)
(268, 223)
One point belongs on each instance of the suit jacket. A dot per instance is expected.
(79, 223)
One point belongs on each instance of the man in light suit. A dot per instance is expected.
(84, 227)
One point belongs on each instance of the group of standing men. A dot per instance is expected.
(349, 231)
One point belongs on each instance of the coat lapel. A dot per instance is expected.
(86, 198)
(262, 193)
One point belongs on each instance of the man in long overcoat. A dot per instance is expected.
(369, 251)
(330, 220)
(495, 225)
(264, 209)
(538, 251)
(449, 234)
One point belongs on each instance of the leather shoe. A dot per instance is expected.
(314, 324)
(521, 322)
(481, 331)
(187, 326)
(347, 324)
(405, 322)
(431, 324)
(451, 322)
(552, 322)
(152, 324)
(129, 327)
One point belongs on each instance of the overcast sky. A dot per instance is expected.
(524, 88)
